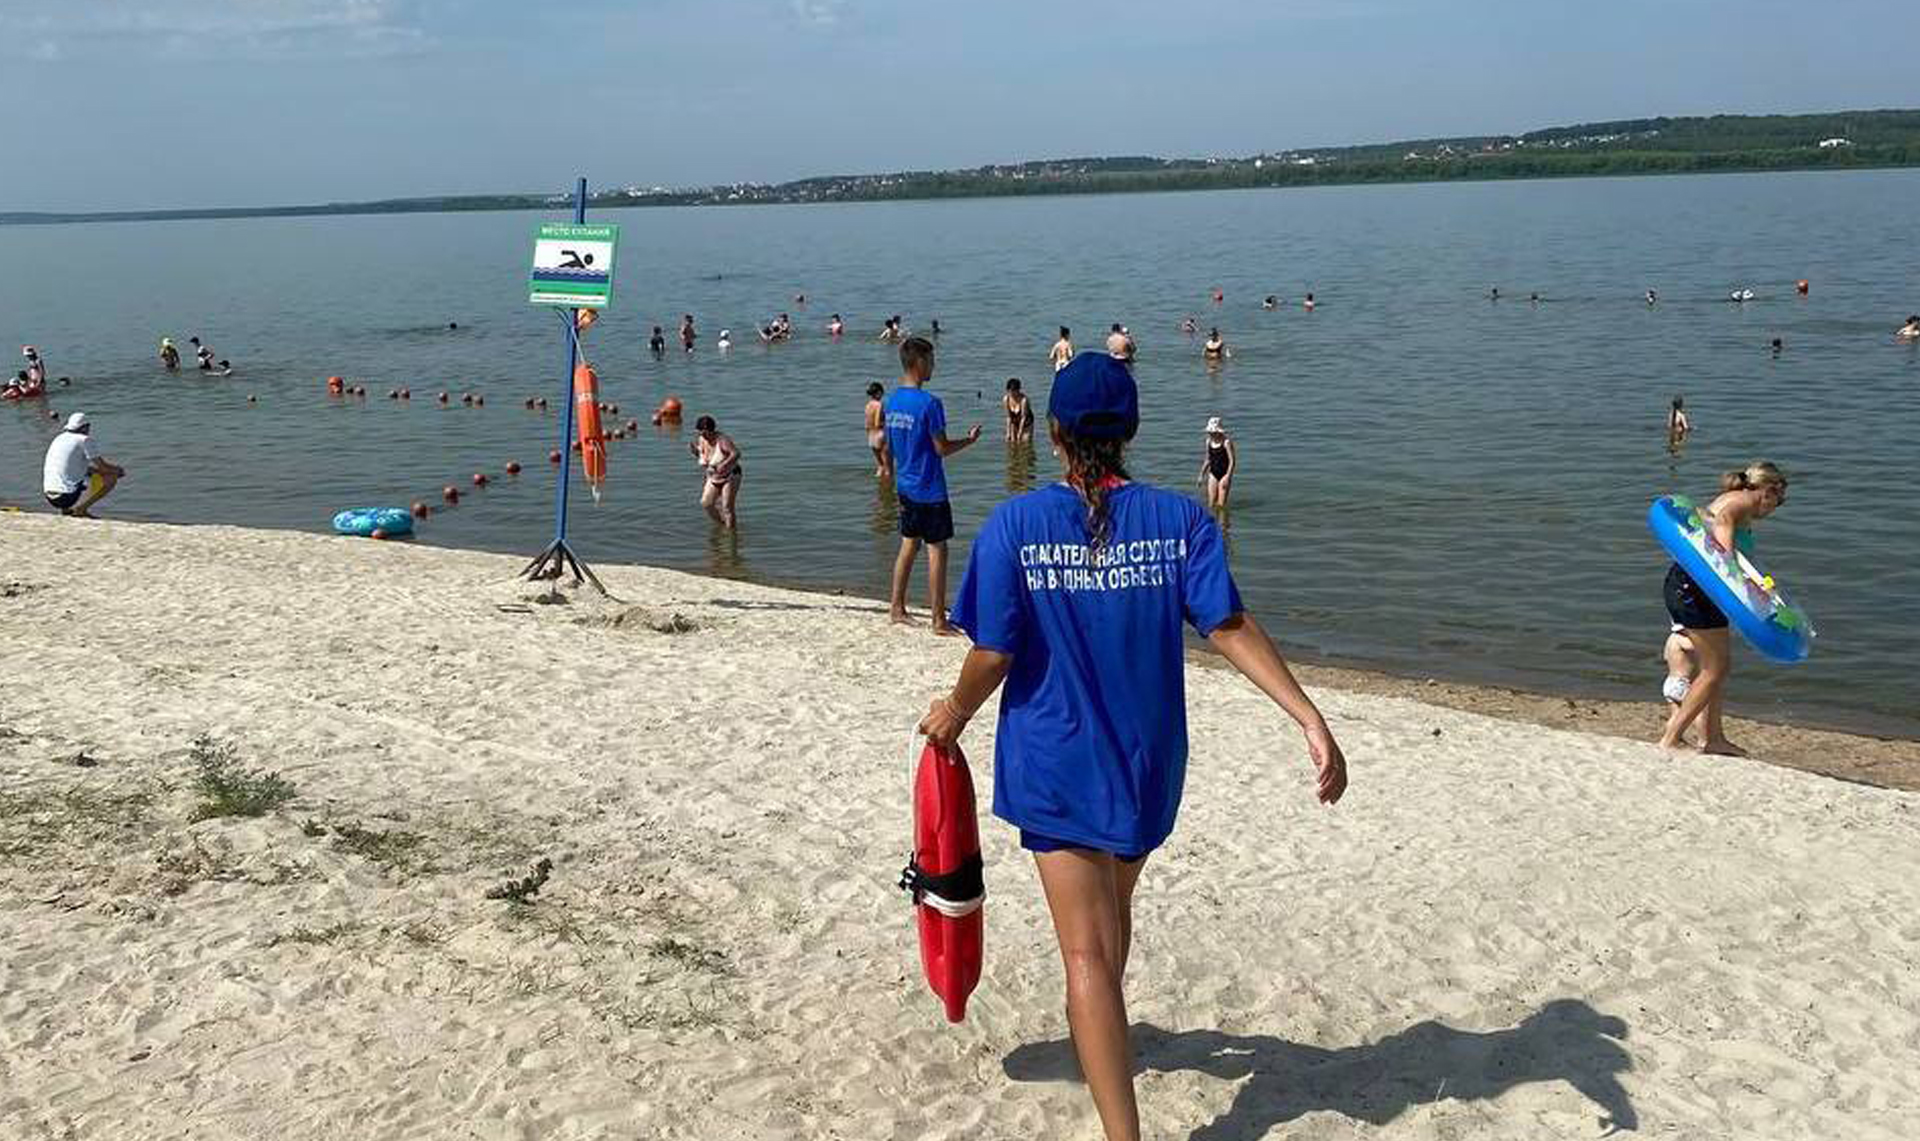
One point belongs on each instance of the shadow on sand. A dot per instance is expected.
(1565, 1041)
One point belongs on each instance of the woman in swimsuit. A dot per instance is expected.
(1216, 346)
(169, 354)
(1217, 467)
(720, 456)
(1745, 496)
(1678, 426)
(1911, 330)
(877, 432)
(1019, 413)
(687, 334)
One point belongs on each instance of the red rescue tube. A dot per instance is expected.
(945, 877)
(586, 412)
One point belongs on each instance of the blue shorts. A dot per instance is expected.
(1035, 842)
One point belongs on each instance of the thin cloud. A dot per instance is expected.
(229, 29)
(821, 13)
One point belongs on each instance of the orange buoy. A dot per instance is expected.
(419, 510)
(592, 442)
(513, 468)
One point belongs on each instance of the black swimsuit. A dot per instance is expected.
(1217, 460)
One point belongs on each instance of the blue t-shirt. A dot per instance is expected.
(914, 417)
(1092, 742)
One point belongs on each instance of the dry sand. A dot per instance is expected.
(1505, 931)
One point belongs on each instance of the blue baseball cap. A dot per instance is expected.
(1094, 397)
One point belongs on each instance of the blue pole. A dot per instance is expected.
(566, 391)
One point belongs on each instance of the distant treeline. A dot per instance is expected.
(1685, 145)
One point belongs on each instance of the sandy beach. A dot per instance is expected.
(1508, 929)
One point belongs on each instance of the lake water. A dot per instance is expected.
(1430, 482)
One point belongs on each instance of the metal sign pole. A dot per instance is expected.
(558, 553)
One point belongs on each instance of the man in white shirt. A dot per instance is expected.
(76, 475)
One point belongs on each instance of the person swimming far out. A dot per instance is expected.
(1019, 410)
(1679, 426)
(657, 343)
(688, 335)
(1189, 325)
(1653, 297)
(1493, 294)
(1740, 295)
(1270, 303)
(1777, 345)
(1075, 598)
(169, 354)
(1909, 331)
(725, 341)
(1308, 303)
(1746, 496)
(835, 326)
(876, 416)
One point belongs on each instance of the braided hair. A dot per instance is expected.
(1091, 464)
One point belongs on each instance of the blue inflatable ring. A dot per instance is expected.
(1752, 602)
(364, 521)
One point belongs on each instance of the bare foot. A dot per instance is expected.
(899, 618)
(945, 630)
(1722, 748)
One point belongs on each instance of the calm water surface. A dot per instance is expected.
(1429, 482)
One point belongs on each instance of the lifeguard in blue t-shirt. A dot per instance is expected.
(916, 424)
(1075, 598)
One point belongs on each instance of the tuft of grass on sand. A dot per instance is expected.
(523, 890)
(689, 955)
(393, 850)
(227, 788)
(314, 936)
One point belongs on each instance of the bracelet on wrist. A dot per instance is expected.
(953, 711)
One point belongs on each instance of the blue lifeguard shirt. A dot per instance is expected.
(1092, 741)
(914, 417)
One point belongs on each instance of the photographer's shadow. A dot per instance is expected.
(1564, 1041)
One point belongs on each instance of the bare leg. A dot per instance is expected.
(902, 572)
(729, 496)
(1226, 489)
(937, 589)
(710, 501)
(1715, 658)
(879, 462)
(1083, 892)
(1713, 736)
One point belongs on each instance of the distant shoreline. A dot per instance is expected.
(1716, 144)
(612, 202)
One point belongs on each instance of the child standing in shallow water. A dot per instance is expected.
(1075, 597)
(877, 432)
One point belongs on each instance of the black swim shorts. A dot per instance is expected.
(927, 522)
(65, 500)
(1689, 605)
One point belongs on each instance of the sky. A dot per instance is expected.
(127, 104)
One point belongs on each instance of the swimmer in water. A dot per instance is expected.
(890, 329)
(226, 367)
(169, 354)
(36, 367)
(800, 299)
(1777, 345)
(687, 334)
(1120, 343)
(1189, 326)
(935, 331)
(1019, 411)
(1271, 303)
(657, 344)
(1533, 299)
(835, 326)
(1740, 295)
(1308, 303)
(1217, 465)
(877, 431)
(1216, 347)
(1679, 427)
(1062, 352)
(1909, 331)
(726, 340)
(1219, 295)
(720, 457)
(1493, 294)
(1653, 298)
